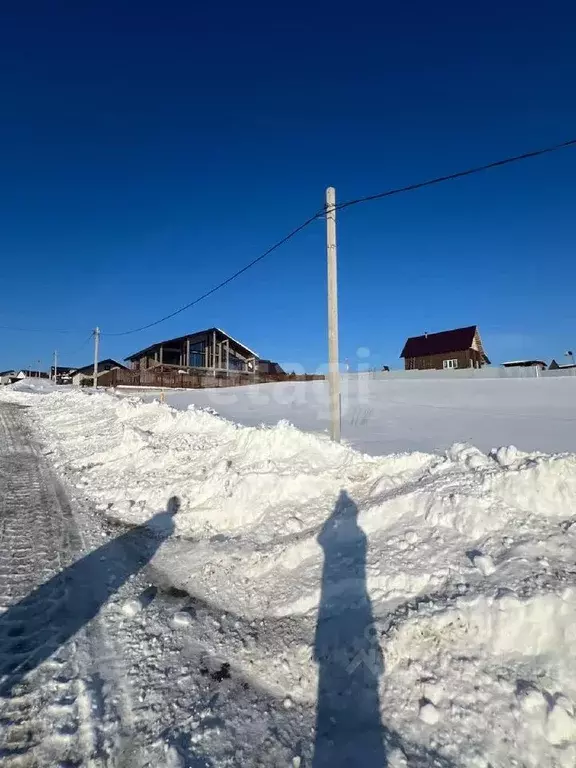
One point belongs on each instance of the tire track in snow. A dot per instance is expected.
(56, 713)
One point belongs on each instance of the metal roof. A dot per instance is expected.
(523, 363)
(455, 340)
(90, 367)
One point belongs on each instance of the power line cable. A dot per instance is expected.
(458, 175)
(294, 232)
(81, 347)
(224, 282)
(348, 204)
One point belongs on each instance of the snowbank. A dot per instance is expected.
(36, 386)
(467, 557)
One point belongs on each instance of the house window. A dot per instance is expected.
(196, 359)
(236, 363)
(450, 363)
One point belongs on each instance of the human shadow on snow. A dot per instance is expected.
(348, 725)
(349, 729)
(35, 627)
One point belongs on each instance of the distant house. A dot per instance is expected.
(211, 349)
(554, 366)
(270, 367)
(525, 364)
(8, 377)
(86, 374)
(64, 374)
(26, 373)
(458, 348)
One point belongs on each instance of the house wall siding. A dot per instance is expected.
(469, 358)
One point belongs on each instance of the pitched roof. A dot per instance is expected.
(523, 363)
(270, 366)
(33, 374)
(554, 366)
(108, 361)
(456, 340)
(141, 352)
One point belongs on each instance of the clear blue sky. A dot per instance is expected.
(147, 150)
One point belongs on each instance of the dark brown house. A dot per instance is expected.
(85, 375)
(458, 348)
(270, 367)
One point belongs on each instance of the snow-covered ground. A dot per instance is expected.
(445, 576)
(382, 416)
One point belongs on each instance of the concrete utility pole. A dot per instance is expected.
(55, 366)
(333, 363)
(96, 345)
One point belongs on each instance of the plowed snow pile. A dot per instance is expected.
(469, 565)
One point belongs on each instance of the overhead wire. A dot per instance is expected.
(81, 347)
(348, 204)
(31, 330)
(457, 175)
(307, 222)
(232, 277)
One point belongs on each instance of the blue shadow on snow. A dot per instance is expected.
(32, 629)
(349, 729)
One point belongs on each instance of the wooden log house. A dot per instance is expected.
(457, 348)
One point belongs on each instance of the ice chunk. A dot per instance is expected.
(181, 619)
(131, 607)
(560, 727)
(428, 713)
(506, 455)
(485, 564)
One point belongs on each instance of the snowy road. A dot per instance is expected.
(100, 666)
(191, 592)
(53, 706)
(93, 670)
(124, 687)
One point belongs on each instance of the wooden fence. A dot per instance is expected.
(160, 377)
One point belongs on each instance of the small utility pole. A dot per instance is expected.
(96, 344)
(55, 365)
(333, 362)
